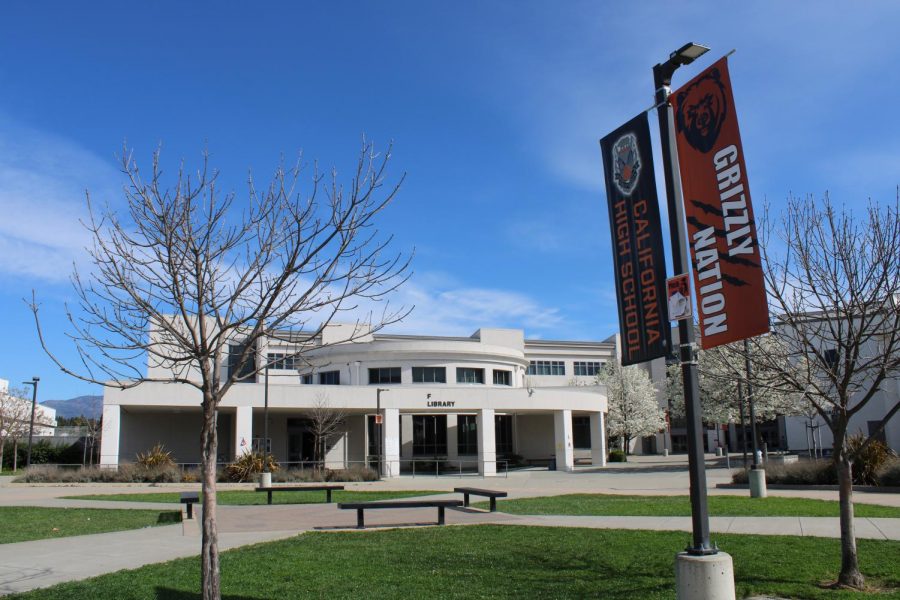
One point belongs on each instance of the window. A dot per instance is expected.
(588, 368)
(384, 375)
(429, 435)
(277, 360)
(466, 435)
(306, 379)
(502, 377)
(546, 367)
(832, 358)
(247, 369)
(429, 375)
(330, 378)
(503, 436)
(467, 375)
(581, 432)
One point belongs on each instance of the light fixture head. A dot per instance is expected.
(688, 53)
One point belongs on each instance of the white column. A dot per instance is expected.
(452, 439)
(109, 443)
(406, 436)
(391, 442)
(598, 439)
(565, 453)
(487, 443)
(243, 430)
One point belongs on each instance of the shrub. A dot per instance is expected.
(617, 456)
(799, 473)
(157, 456)
(889, 473)
(867, 463)
(248, 465)
(126, 473)
(354, 473)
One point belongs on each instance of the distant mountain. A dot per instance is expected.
(90, 407)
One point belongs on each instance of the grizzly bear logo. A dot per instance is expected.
(702, 110)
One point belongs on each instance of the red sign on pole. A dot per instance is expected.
(728, 276)
(379, 419)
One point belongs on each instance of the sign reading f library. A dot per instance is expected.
(728, 277)
(640, 267)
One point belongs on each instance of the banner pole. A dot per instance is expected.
(662, 79)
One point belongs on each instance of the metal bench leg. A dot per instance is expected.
(270, 496)
(493, 504)
(359, 519)
(190, 511)
(465, 499)
(440, 515)
(328, 496)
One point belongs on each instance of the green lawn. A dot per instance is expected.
(677, 506)
(492, 562)
(247, 497)
(24, 523)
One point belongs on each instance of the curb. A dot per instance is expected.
(874, 489)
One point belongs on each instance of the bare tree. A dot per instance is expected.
(834, 282)
(15, 414)
(325, 421)
(190, 282)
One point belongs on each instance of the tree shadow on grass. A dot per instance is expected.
(172, 594)
(169, 518)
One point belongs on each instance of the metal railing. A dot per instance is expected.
(448, 467)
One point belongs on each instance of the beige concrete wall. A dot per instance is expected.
(535, 436)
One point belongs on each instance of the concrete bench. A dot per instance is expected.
(360, 507)
(467, 491)
(300, 488)
(190, 499)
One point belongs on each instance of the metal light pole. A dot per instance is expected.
(662, 80)
(265, 442)
(701, 571)
(379, 418)
(740, 390)
(34, 384)
(750, 403)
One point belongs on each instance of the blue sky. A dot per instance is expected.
(495, 109)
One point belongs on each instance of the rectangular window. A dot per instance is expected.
(275, 361)
(587, 368)
(581, 432)
(466, 435)
(502, 377)
(429, 375)
(429, 435)
(546, 367)
(306, 379)
(503, 434)
(246, 369)
(330, 378)
(467, 375)
(384, 375)
(832, 359)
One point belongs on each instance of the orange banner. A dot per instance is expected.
(728, 277)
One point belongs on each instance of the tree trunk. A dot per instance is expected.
(15, 455)
(209, 553)
(2, 447)
(850, 575)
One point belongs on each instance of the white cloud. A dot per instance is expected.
(42, 183)
(444, 306)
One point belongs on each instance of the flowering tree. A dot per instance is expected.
(633, 408)
(15, 414)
